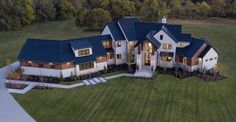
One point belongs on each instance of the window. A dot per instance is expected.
(51, 65)
(118, 44)
(106, 44)
(210, 59)
(110, 56)
(167, 46)
(84, 52)
(85, 66)
(181, 44)
(206, 60)
(165, 56)
(29, 63)
(41, 65)
(161, 37)
(215, 58)
(118, 56)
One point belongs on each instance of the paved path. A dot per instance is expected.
(10, 110)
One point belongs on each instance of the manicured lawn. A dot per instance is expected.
(165, 98)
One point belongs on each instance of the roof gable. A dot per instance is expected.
(128, 27)
(115, 31)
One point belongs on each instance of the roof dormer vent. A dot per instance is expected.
(163, 20)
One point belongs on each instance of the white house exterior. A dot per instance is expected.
(125, 41)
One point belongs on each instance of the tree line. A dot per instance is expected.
(93, 14)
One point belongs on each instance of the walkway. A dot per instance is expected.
(94, 81)
(10, 110)
(144, 72)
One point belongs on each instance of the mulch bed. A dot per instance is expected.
(43, 87)
(15, 86)
(184, 74)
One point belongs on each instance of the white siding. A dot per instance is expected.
(166, 39)
(110, 61)
(48, 72)
(210, 64)
(121, 50)
(97, 67)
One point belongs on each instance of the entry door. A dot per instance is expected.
(147, 59)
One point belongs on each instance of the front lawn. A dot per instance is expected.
(165, 98)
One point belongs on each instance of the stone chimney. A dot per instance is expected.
(163, 20)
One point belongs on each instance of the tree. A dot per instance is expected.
(94, 19)
(203, 8)
(45, 10)
(121, 8)
(218, 7)
(153, 10)
(98, 18)
(231, 10)
(29, 15)
(65, 10)
(81, 19)
(175, 6)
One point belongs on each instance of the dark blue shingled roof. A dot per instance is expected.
(192, 49)
(46, 51)
(128, 26)
(143, 28)
(61, 51)
(82, 44)
(115, 30)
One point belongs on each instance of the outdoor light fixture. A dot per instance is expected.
(50, 63)
(30, 62)
(68, 63)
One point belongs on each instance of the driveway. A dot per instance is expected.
(10, 110)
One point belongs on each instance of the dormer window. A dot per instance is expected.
(106, 44)
(181, 44)
(161, 37)
(84, 52)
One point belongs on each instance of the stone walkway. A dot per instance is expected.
(10, 110)
(94, 81)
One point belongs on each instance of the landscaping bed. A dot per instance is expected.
(15, 86)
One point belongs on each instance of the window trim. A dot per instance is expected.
(86, 66)
(85, 54)
(167, 46)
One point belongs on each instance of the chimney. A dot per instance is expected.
(163, 20)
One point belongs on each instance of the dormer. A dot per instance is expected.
(107, 43)
(81, 48)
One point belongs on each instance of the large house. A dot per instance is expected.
(125, 41)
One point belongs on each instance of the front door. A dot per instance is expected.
(147, 59)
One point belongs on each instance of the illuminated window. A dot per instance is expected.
(84, 52)
(110, 55)
(167, 46)
(118, 44)
(106, 44)
(85, 66)
(181, 44)
(166, 58)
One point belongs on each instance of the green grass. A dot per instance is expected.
(11, 42)
(70, 82)
(164, 98)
